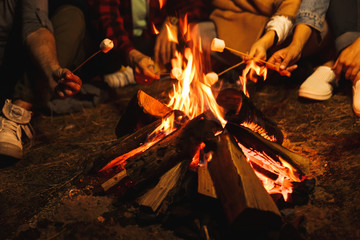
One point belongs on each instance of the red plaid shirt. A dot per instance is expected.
(113, 18)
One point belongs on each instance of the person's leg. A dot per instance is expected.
(320, 84)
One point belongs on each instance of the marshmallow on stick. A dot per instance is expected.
(105, 46)
(217, 45)
(211, 78)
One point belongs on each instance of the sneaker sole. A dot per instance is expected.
(11, 150)
(314, 96)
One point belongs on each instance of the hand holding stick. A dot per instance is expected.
(218, 45)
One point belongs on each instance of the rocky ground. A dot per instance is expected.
(41, 196)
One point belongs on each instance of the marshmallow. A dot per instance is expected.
(217, 45)
(106, 45)
(176, 72)
(211, 78)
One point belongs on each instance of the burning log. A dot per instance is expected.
(253, 140)
(179, 146)
(240, 110)
(141, 110)
(246, 203)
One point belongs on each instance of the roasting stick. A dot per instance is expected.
(250, 57)
(105, 46)
(232, 67)
(218, 45)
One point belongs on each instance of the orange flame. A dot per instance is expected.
(162, 3)
(251, 68)
(190, 94)
(154, 29)
(165, 128)
(172, 34)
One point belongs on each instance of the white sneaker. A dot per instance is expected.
(14, 120)
(121, 78)
(319, 86)
(356, 97)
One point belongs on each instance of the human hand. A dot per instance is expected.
(285, 58)
(144, 67)
(68, 83)
(164, 48)
(258, 50)
(348, 62)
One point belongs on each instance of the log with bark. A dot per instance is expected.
(141, 111)
(246, 203)
(240, 110)
(180, 146)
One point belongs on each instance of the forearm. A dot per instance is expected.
(268, 39)
(302, 34)
(42, 48)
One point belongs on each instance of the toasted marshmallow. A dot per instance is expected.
(217, 45)
(211, 78)
(106, 45)
(176, 72)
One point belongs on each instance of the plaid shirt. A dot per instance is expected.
(113, 18)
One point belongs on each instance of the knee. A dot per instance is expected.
(69, 17)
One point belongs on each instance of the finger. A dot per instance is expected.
(150, 73)
(337, 68)
(72, 76)
(354, 73)
(72, 86)
(348, 72)
(292, 68)
(285, 62)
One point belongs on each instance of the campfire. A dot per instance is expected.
(218, 133)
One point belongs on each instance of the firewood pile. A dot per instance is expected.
(154, 173)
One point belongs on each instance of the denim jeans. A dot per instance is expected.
(312, 13)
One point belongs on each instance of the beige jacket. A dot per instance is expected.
(241, 22)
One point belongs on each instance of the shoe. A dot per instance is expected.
(356, 97)
(319, 86)
(121, 78)
(13, 121)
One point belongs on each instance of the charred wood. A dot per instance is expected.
(180, 146)
(253, 140)
(240, 110)
(141, 111)
(246, 203)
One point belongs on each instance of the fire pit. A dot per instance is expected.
(233, 147)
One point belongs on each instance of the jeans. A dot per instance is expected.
(312, 13)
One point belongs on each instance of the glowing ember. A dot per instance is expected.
(285, 172)
(258, 129)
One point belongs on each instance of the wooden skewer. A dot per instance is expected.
(77, 68)
(228, 69)
(248, 56)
